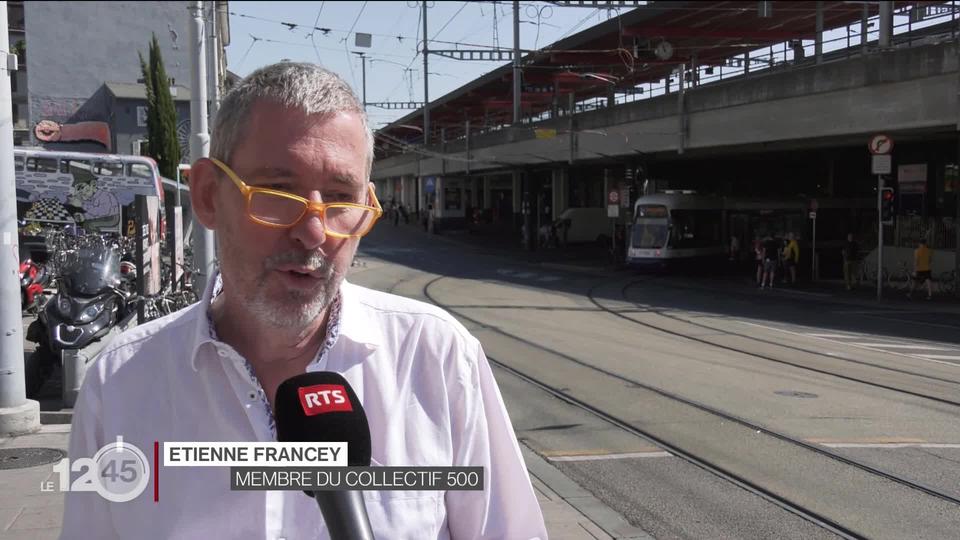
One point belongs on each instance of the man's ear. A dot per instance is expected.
(203, 192)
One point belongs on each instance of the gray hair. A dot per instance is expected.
(307, 87)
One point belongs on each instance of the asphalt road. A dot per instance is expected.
(700, 407)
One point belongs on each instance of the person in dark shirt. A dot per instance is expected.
(771, 257)
(851, 262)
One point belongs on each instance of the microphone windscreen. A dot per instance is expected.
(322, 407)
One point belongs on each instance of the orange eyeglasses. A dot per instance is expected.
(279, 209)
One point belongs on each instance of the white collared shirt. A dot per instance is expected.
(423, 380)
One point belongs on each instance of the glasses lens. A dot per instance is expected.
(348, 219)
(275, 209)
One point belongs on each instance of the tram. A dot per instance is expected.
(674, 228)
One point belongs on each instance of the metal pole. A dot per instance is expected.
(213, 60)
(681, 112)
(516, 61)
(17, 413)
(886, 23)
(426, 79)
(879, 237)
(363, 64)
(203, 240)
(818, 44)
(813, 258)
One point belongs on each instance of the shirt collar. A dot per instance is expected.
(201, 328)
(355, 324)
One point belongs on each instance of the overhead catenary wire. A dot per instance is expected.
(313, 40)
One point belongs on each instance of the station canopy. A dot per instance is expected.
(646, 44)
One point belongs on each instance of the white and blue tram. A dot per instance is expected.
(672, 228)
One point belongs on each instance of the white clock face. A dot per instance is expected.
(664, 50)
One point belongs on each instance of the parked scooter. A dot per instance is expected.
(89, 308)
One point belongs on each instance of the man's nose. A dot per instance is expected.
(310, 231)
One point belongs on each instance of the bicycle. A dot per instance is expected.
(947, 283)
(901, 279)
(868, 275)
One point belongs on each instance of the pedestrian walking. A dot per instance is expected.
(758, 257)
(791, 257)
(771, 258)
(922, 261)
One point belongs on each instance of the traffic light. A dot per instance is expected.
(887, 208)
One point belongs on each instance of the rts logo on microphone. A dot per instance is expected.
(324, 398)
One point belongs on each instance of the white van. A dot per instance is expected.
(586, 224)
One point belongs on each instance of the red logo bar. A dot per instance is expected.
(324, 398)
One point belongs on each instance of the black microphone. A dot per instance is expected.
(322, 407)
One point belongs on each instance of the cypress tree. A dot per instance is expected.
(163, 145)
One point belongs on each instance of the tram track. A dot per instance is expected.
(693, 457)
(592, 297)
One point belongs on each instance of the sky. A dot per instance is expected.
(266, 32)
(462, 22)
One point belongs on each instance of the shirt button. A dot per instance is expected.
(253, 396)
(221, 352)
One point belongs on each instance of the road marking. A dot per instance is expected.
(847, 343)
(899, 346)
(814, 335)
(601, 457)
(939, 357)
(891, 445)
(909, 321)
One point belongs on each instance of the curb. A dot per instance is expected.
(580, 499)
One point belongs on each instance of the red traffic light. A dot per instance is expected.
(887, 194)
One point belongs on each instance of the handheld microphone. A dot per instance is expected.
(322, 407)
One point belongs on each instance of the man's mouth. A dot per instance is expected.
(302, 272)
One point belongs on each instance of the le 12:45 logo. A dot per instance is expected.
(119, 472)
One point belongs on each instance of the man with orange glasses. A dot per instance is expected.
(287, 191)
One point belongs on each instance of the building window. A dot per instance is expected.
(13, 82)
(141, 116)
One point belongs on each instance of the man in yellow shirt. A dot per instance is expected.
(791, 256)
(922, 259)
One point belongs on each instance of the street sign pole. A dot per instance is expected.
(813, 252)
(879, 237)
(880, 146)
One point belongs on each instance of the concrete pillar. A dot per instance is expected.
(438, 200)
(886, 23)
(18, 415)
(864, 31)
(559, 193)
(818, 43)
(517, 194)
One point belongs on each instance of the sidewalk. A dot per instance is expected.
(595, 260)
(27, 513)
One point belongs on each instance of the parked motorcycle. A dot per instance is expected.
(89, 308)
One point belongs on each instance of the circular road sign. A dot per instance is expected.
(880, 144)
(613, 197)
